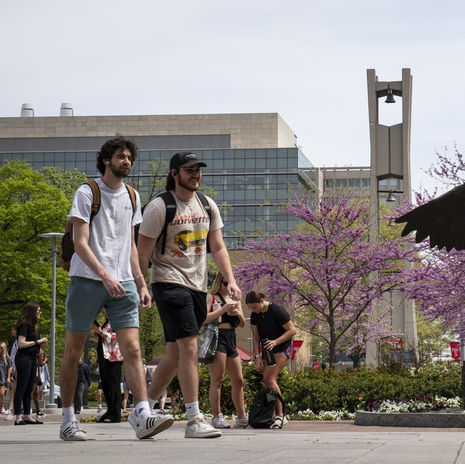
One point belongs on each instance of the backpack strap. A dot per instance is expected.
(208, 209)
(132, 195)
(170, 207)
(95, 198)
(204, 201)
(220, 296)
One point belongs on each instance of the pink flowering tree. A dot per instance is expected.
(438, 286)
(331, 271)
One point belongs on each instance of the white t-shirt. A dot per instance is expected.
(185, 259)
(109, 232)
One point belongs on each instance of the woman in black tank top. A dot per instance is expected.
(221, 307)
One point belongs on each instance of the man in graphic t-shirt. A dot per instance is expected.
(179, 280)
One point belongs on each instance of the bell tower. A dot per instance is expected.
(390, 184)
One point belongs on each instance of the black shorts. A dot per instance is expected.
(182, 310)
(227, 342)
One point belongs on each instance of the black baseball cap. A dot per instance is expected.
(185, 159)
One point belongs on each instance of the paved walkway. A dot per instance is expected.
(299, 442)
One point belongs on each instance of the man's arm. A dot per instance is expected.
(81, 247)
(145, 246)
(221, 257)
(139, 276)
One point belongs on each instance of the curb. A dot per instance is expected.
(411, 419)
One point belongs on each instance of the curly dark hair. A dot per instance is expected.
(110, 147)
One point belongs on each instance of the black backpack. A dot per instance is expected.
(170, 204)
(262, 411)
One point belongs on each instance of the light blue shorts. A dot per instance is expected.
(86, 298)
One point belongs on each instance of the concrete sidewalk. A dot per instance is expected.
(299, 442)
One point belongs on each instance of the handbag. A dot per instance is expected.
(208, 341)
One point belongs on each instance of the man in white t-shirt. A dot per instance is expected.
(179, 280)
(105, 272)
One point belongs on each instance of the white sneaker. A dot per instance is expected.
(278, 422)
(151, 425)
(219, 422)
(99, 409)
(198, 428)
(72, 432)
(241, 423)
(10, 416)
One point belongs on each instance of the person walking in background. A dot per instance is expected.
(5, 375)
(13, 377)
(83, 380)
(110, 362)
(273, 330)
(38, 388)
(105, 271)
(221, 307)
(125, 395)
(99, 391)
(29, 344)
(179, 279)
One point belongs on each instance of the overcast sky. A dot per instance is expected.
(304, 59)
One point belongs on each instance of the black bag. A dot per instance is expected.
(262, 411)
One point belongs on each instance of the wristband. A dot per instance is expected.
(139, 276)
(257, 356)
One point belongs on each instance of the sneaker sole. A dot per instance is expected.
(73, 438)
(161, 427)
(204, 435)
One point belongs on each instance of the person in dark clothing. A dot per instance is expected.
(273, 329)
(83, 380)
(109, 362)
(29, 344)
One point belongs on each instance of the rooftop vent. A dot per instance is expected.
(66, 109)
(27, 110)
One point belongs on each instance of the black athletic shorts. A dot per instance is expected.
(227, 342)
(182, 310)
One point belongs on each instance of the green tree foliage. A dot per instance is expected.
(29, 206)
(66, 181)
(432, 339)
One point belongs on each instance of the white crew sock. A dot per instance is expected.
(68, 414)
(143, 410)
(151, 403)
(192, 409)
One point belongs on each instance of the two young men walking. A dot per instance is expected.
(107, 270)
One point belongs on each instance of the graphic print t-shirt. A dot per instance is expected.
(184, 262)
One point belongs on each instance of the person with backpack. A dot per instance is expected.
(104, 271)
(272, 331)
(177, 245)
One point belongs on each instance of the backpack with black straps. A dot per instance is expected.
(67, 243)
(170, 204)
(262, 411)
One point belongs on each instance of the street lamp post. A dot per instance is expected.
(53, 236)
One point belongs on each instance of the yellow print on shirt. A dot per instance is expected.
(188, 238)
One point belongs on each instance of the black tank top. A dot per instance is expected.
(226, 318)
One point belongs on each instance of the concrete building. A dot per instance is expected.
(253, 161)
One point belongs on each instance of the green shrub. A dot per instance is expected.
(351, 390)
